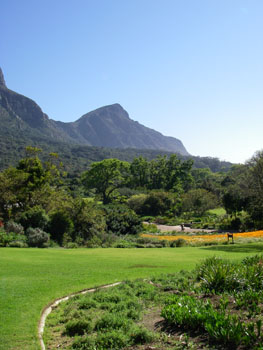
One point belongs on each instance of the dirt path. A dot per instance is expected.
(166, 228)
(47, 310)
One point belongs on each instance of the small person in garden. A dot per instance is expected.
(182, 227)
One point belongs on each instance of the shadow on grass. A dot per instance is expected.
(238, 248)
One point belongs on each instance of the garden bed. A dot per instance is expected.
(217, 306)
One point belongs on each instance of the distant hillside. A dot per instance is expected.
(23, 123)
(108, 126)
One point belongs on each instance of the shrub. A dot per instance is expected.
(71, 245)
(60, 223)
(180, 242)
(112, 340)
(14, 227)
(87, 303)
(193, 314)
(12, 239)
(141, 336)
(152, 228)
(37, 238)
(158, 203)
(78, 327)
(89, 221)
(18, 244)
(199, 201)
(218, 275)
(136, 203)
(133, 314)
(122, 243)
(121, 220)
(112, 321)
(35, 217)
(86, 343)
(235, 224)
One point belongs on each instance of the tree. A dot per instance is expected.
(139, 170)
(121, 220)
(178, 174)
(106, 177)
(198, 201)
(88, 219)
(29, 184)
(12, 192)
(254, 188)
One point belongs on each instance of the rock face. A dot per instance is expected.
(20, 116)
(108, 126)
(2, 79)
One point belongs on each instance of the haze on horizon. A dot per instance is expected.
(189, 69)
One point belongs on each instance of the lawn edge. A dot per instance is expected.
(48, 309)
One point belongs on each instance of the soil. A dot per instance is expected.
(167, 228)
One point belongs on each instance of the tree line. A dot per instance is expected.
(39, 201)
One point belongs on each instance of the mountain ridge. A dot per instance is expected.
(107, 126)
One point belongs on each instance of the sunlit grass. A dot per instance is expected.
(217, 211)
(32, 278)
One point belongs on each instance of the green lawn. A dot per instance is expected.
(31, 278)
(217, 211)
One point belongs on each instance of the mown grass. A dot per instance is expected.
(32, 278)
(217, 211)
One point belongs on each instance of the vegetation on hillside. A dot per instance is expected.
(109, 200)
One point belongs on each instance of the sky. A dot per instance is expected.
(191, 69)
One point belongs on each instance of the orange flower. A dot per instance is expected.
(208, 237)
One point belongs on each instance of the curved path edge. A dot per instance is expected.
(47, 310)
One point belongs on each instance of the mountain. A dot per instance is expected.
(22, 117)
(108, 126)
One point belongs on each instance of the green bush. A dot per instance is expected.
(14, 227)
(37, 237)
(141, 336)
(180, 242)
(121, 220)
(218, 275)
(12, 239)
(89, 221)
(87, 343)
(112, 321)
(194, 314)
(87, 303)
(59, 224)
(122, 243)
(18, 244)
(78, 327)
(35, 217)
(158, 203)
(71, 245)
(152, 228)
(136, 202)
(112, 340)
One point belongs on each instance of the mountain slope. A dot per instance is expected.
(23, 117)
(108, 126)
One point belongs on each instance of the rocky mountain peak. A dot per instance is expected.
(2, 79)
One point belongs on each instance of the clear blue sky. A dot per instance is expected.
(192, 69)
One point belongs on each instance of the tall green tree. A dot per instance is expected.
(140, 172)
(254, 188)
(106, 177)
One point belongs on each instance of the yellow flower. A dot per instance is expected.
(208, 237)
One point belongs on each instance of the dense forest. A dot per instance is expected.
(76, 158)
(41, 204)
